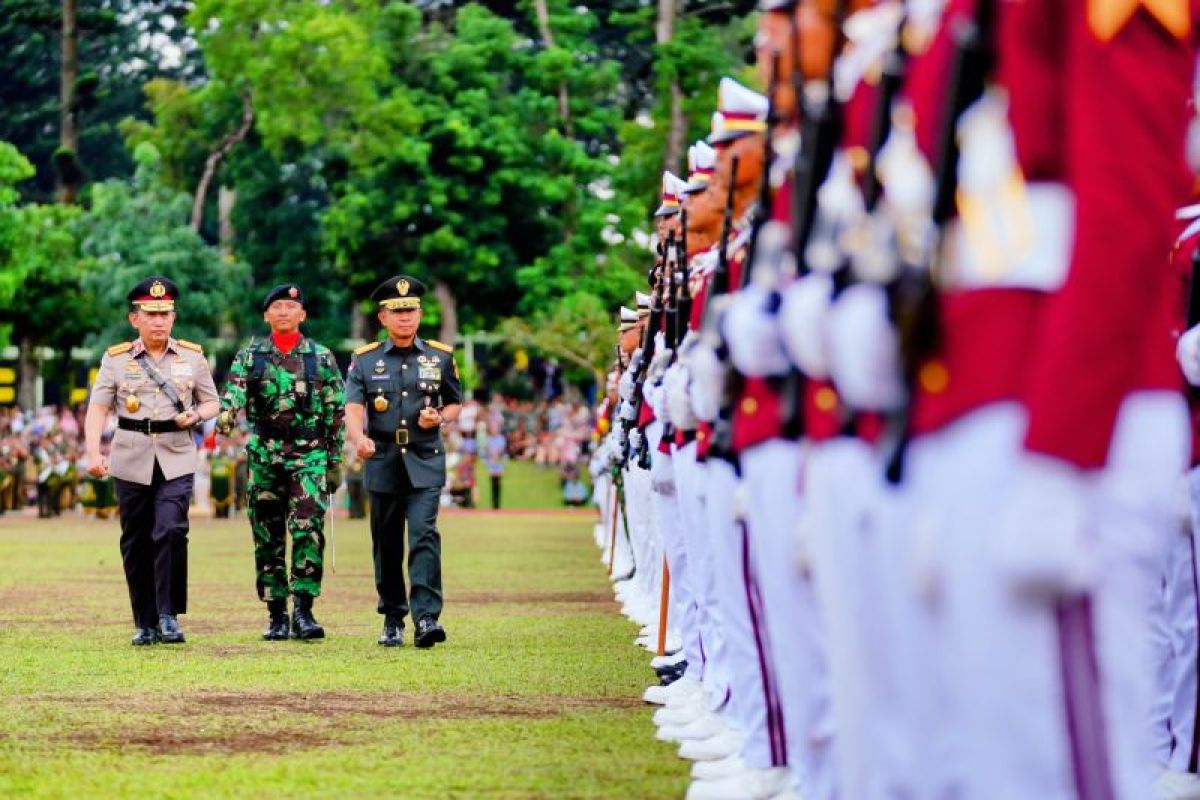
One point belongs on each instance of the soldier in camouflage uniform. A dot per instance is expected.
(292, 391)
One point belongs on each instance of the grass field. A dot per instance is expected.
(534, 695)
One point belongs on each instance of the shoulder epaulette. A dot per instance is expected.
(434, 343)
(117, 349)
(190, 345)
(366, 348)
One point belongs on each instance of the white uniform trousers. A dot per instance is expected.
(771, 474)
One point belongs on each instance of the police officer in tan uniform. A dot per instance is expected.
(161, 388)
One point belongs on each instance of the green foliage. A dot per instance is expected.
(122, 45)
(141, 228)
(578, 330)
(40, 263)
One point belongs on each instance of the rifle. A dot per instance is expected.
(762, 209)
(821, 132)
(1193, 309)
(684, 302)
(671, 302)
(720, 279)
(913, 296)
(648, 344)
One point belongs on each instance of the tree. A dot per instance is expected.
(579, 332)
(122, 44)
(141, 228)
(40, 271)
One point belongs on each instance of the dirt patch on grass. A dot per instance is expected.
(244, 722)
(418, 706)
(164, 741)
(534, 598)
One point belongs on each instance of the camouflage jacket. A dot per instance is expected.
(288, 417)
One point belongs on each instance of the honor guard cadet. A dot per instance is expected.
(161, 388)
(399, 392)
(292, 391)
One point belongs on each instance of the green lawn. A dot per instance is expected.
(524, 485)
(534, 695)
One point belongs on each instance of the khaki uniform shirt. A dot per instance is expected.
(133, 453)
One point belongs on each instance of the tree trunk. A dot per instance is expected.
(226, 200)
(68, 112)
(358, 322)
(449, 306)
(564, 99)
(677, 130)
(27, 374)
(213, 162)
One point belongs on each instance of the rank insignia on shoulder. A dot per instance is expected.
(439, 345)
(366, 348)
(190, 345)
(117, 349)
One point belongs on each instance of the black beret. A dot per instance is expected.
(284, 291)
(155, 293)
(400, 291)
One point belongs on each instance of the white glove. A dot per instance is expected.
(657, 396)
(636, 441)
(662, 474)
(708, 382)
(1187, 351)
(661, 360)
(627, 412)
(627, 384)
(1041, 545)
(803, 316)
(753, 336)
(678, 402)
(864, 350)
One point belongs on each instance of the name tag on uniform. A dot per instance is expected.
(427, 373)
(381, 377)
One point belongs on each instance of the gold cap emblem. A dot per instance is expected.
(402, 287)
(157, 289)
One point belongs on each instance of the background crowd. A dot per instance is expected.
(43, 465)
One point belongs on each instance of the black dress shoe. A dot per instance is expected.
(429, 633)
(304, 625)
(277, 628)
(145, 636)
(393, 632)
(169, 631)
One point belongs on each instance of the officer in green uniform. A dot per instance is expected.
(292, 391)
(399, 392)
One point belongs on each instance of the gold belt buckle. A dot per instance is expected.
(402, 436)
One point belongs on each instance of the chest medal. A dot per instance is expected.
(132, 403)
(380, 403)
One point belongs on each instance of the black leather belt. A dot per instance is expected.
(267, 430)
(389, 437)
(147, 426)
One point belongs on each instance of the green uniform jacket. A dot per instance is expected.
(403, 378)
(283, 402)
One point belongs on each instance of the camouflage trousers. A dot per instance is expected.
(287, 500)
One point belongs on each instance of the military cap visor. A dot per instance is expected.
(155, 293)
(399, 293)
(285, 291)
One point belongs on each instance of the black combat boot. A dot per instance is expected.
(304, 626)
(277, 628)
(393, 631)
(429, 633)
(169, 631)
